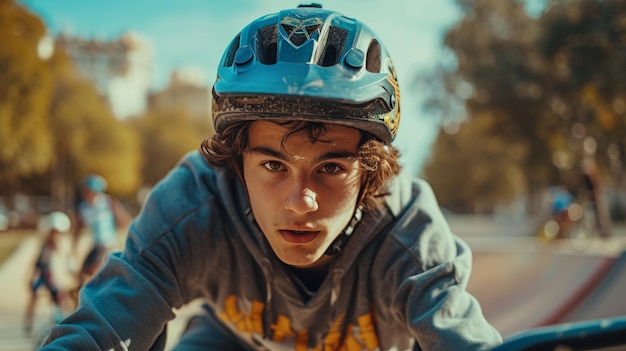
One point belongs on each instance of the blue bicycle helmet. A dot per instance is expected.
(309, 64)
(95, 183)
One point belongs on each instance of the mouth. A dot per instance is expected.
(299, 236)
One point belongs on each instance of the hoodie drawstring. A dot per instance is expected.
(266, 266)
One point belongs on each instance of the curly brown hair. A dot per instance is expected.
(378, 160)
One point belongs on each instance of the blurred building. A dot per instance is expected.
(121, 69)
(186, 91)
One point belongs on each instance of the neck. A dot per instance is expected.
(312, 277)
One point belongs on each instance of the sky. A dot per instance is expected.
(192, 35)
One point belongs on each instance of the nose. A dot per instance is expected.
(301, 200)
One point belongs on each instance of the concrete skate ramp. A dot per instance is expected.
(519, 290)
(607, 298)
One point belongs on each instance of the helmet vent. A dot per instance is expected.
(230, 54)
(334, 46)
(299, 34)
(373, 57)
(330, 56)
(266, 47)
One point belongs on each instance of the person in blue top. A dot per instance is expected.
(293, 224)
(101, 214)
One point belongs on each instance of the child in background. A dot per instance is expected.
(42, 275)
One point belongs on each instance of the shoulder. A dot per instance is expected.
(186, 193)
(406, 191)
(419, 228)
(190, 180)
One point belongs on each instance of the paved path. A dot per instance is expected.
(14, 292)
(14, 281)
(526, 284)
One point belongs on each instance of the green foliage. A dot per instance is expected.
(53, 123)
(547, 86)
(473, 176)
(167, 136)
(55, 128)
(584, 43)
(25, 142)
(89, 139)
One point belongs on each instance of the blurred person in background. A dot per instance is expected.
(42, 275)
(101, 214)
(562, 199)
(592, 194)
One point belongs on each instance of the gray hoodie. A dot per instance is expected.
(398, 284)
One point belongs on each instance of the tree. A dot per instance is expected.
(471, 176)
(25, 140)
(550, 85)
(584, 44)
(88, 138)
(166, 136)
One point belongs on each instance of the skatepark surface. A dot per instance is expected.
(523, 285)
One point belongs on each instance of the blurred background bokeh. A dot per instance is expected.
(513, 110)
(502, 100)
(123, 89)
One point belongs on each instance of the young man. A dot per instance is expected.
(296, 227)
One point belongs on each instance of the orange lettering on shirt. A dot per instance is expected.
(302, 340)
(351, 343)
(232, 314)
(282, 328)
(333, 338)
(363, 337)
(256, 318)
(368, 332)
(252, 323)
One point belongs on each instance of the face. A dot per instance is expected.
(302, 194)
(88, 194)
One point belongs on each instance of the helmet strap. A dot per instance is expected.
(337, 245)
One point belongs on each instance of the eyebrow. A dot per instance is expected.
(323, 157)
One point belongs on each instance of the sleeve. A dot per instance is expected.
(165, 264)
(440, 312)
(429, 268)
(120, 309)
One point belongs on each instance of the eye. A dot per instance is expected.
(331, 168)
(273, 166)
